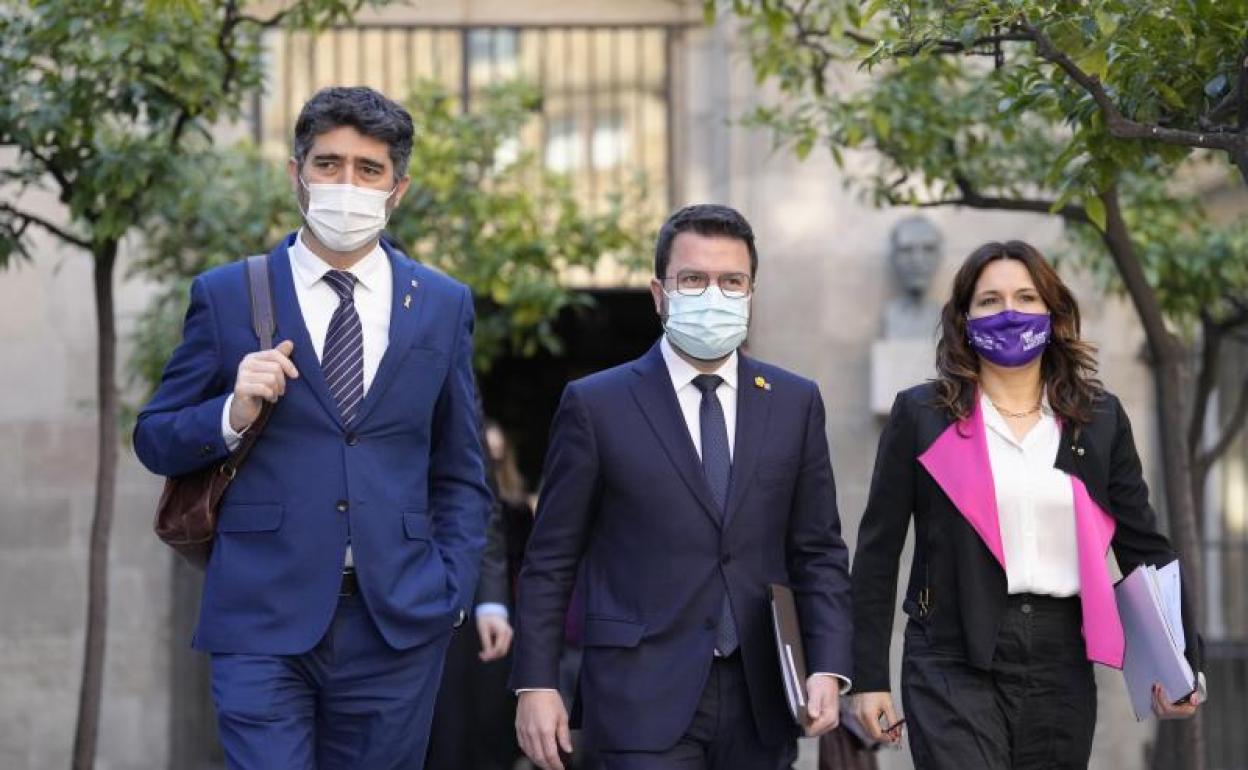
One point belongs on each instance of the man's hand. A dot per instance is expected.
(542, 728)
(870, 708)
(1164, 709)
(261, 377)
(495, 633)
(823, 704)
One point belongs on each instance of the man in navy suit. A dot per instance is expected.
(348, 545)
(678, 486)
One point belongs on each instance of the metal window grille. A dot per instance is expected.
(607, 89)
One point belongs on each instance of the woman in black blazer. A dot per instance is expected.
(1020, 472)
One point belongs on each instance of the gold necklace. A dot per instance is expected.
(1015, 415)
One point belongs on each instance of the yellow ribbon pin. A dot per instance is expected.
(760, 382)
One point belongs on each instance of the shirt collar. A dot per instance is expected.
(308, 268)
(682, 372)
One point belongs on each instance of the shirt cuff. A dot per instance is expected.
(846, 684)
(492, 608)
(535, 689)
(232, 437)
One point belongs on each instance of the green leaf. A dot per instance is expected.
(1094, 62)
(1095, 208)
(1169, 95)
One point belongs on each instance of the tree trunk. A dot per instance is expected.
(1179, 744)
(91, 692)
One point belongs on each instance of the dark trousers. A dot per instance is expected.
(474, 719)
(350, 702)
(1035, 708)
(722, 735)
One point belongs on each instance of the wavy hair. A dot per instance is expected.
(1068, 367)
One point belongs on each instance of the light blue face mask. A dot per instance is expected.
(708, 326)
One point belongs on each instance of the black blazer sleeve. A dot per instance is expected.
(492, 585)
(1136, 537)
(881, 536)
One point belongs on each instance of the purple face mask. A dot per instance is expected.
(1009, 338)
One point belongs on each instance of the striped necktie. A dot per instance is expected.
(342, 360)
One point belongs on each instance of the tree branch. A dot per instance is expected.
(1123, 127)
(1206, 380)
(31, 219)
(971, 198)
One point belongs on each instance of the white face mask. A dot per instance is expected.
(709, 326)
(345, 217)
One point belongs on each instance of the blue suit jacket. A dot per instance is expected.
(406, 481)
(625, 499)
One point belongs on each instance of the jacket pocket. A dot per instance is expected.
(606, 632)
(245, 517)
(416, 524)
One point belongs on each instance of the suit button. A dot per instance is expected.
(1026, 608)
(341, 506)
(709, 624)
(725, 558)
(352, 439)
(205, 450)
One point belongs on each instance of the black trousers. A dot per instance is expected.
(721, 737)
(1035, 708)
(474, 716)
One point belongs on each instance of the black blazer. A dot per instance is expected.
(957, 589)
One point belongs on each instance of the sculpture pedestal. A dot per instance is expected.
(898, 364)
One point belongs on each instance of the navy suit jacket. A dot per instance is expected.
(625, 500)
(406, 481)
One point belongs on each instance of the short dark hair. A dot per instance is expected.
(365, 110)
(703, 219)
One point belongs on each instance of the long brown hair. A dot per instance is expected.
(1068, 368)
(507, 477)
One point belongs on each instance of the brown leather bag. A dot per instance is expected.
(186, 516)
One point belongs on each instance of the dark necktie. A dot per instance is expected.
(342, 359)
(717, 465)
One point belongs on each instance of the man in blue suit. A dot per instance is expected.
(348, 545)
(678, 486)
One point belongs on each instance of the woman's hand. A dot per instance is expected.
(1164, 709)
(874, 711)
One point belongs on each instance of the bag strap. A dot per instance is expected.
(261, 299)
(264, 323)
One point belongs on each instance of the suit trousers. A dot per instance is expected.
(1035, 708)
(350, 702)
(722, 735)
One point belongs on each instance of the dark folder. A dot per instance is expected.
(788, 636)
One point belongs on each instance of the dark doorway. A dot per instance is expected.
(523, 393)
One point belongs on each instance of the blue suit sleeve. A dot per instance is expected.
(179, 430)
(565, 511)
(818, 561)
(459, 499)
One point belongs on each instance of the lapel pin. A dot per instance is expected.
(407, 301)
(761, 382)
(1078, 450)
(415, 284)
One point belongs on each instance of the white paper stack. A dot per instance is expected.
(1150, 606)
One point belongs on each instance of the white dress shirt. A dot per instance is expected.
(1035, 505)
(690, 397)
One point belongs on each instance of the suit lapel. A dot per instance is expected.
(406, 309)
(958, 461)
(654, 394)
(290, 326)
(1094, 531)
(753, 408)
